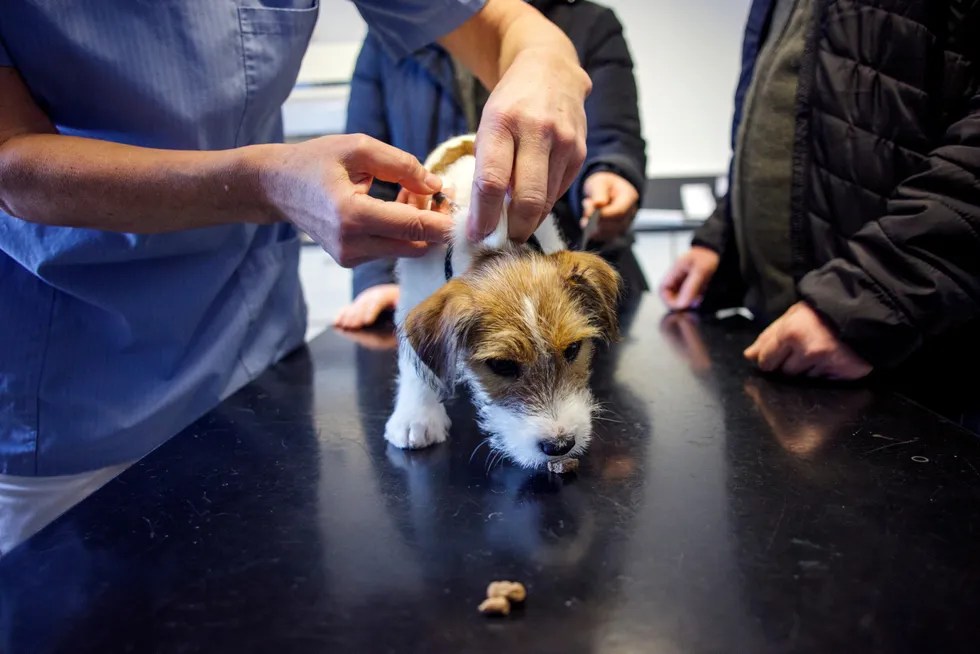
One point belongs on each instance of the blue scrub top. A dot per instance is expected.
(111, 343)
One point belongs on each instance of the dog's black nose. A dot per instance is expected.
(558, 446)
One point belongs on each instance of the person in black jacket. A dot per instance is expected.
(417, 102)
(853, 219)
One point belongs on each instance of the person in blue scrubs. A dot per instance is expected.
(149, 210)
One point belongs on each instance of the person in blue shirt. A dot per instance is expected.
(149, 210)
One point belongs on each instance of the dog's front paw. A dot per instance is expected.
(418, 426)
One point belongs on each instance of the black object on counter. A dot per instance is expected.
(717, 511)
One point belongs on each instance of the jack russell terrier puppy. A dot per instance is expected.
(516, 323)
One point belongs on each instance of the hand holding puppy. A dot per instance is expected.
(530, 143)
(322, 185)
(372, 302)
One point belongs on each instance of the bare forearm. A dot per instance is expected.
(491, 41)
(77, 182)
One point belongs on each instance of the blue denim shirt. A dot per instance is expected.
(110, 343)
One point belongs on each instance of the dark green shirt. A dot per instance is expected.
(762, 176)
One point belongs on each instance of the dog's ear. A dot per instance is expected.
(438, 329)
(595, 284)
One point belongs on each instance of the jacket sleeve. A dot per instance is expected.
(716, 230)
(914, 273)
(367, 114)
(614, 140)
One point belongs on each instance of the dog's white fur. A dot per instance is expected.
(419, 418)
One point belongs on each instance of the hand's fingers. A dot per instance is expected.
(773, 353)
(556, 173)
(365, 318)
(620, 205)
(418, 201)
(403, 196)
(672, 283)
(845, 367)
(587, 208)
(373, 217)
(690, 290)
(342, 316)
(529, 193)
(446, 206)
(797, 363)
(372, 311)
(390, 164)
(768, 334)
(368, 248)
(598, 191)
(494, 165)
(572, 157)
(389, 302)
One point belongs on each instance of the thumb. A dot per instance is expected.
(389, 164)
(598, 191)
(690, 289)
(588, 206)
(672, 282)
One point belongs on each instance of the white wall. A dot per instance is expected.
(687, 57)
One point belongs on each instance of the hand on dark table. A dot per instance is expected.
(799, 343)
(685, 284)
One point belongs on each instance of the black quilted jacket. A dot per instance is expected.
(886, 175)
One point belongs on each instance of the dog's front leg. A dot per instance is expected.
(419, 418)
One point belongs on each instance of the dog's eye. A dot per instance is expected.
(504, 367)
(571, 352)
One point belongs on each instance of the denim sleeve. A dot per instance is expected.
(404, 26)
(4, 57)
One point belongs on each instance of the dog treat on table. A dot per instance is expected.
(563, 466)
(512, 590)
(499, 596)
(495, 606)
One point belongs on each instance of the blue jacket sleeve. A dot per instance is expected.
(5, 61)
(614, 142)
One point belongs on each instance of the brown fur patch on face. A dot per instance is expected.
(595, 284)
(438, 329)
(529, 305)
(519, 306)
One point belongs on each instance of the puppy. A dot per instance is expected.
(516, 323)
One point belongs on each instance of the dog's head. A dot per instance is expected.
(520, 328)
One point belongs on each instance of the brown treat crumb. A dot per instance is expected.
(512, 590)
(495, 606)
(563, 466)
